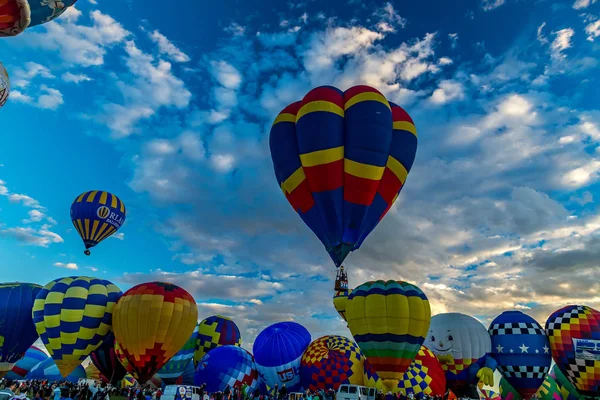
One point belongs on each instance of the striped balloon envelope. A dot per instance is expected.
(33, 356)
(48, 370)
(216, 331)
(331, 361)
(123, 359)
(169, 315)
(176, 366)
(341, 159)
(389, 320)
(73, 315)
(17, 331)
(96, 216)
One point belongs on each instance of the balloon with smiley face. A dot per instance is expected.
(463, 346)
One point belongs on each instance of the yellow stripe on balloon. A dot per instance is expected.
(319, 106)
(366, 96)
(295, 179)
(94, 227)
(86, 224)
(92, 196)
(284, 117)
(361, 170)
(397, 168)
(405, 126)
(321, 157)
(103, 198)
(80, 198)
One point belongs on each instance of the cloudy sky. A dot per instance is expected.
(170, 108)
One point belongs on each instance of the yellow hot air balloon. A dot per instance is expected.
(168, 315)
(340, 299)
(389, 321)
(72, 316)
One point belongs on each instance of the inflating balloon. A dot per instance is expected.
(175, 367)
(93, 373)
(278, 352)
(522, 350)
(4, 85)
(106, 361)
(389, 320)
(507, 392)
(549, 390)
(123, 359)
(48, 370)
(567, 390)
(18, 15)
(463, 346)
(97, 215)
(168, 314)
(73, 315)
(216, 331)
(340, 299)
(331, 361)
(425, 375)
(17, 331)
(227, 366)
(33, 356)
(341, 159)
(574, 333)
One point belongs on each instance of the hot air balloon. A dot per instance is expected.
(463, 346)
(486, 394)
(389, 321)
(169, 315)
(214, 332)
(96, 215)
(123, 359)
(175, 367)
(106, 361)
(549, 390)
(33, 356)
(521, 348)
(73, 315)
(278, 352)
(425, 375)
(507, 392)
(91, 372)
(227, 365)
(574, 333)
(340, 299)
(48, 370)
(567, 389)
(331, 361)
(371, 379)
(17, 331)
(18, 15)
(187, 378)
(4, 85)
(341, 159)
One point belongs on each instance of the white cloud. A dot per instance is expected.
(67, 265)
(21, 78)
(489, 5)
(38, 237)
(235, 29)
(75, 78)
(581, 4)
(223, 162)
(226, 75)
(593, 30)
(389, 18)
(165, 46)
(540, 34)
(453, 39)
(561, 43)
(119, 235)
(51, 99)
(447, 91)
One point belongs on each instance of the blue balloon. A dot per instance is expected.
(227, 366)
(522, 350)
(42, 12)
(17, 330)
(33, 357)
(187, 378)
(48, 369)
(278, 351)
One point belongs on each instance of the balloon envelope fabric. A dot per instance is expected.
(106, 361)
(331, 361)
(48, 369)
(341, 159)
(522, 350)
(340, 299)
(175, 367)
(33, 356)
(4, 85)
(574, 333)
(567, 389)
(216, 331)
(227, 365)
(389, 321)
(73, 315)
(17, 331)
(278, 352)
(425, 375)
(168, 314)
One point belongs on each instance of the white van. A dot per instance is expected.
(355, 392)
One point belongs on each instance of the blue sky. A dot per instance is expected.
(170, 109)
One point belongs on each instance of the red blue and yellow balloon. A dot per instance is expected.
(574, 333)
(33, 356)
(73, 315)
(17, 331)
(227, 366)
(176, 366)
(168, 314)
(341, 159)
(389, 320)
(107, 362)
(425, 375)
(18, 15)
(216, 331)
(331, 361)
(96, 216)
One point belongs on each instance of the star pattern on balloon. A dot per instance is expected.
(524, 349)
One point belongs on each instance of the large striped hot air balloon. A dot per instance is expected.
(107, 362)
(169, 315)
(73, 315)
(17, 331)
(331, 361)
(278, 352)
(216, 331)
(18, 15)
(389, 320)
(175, 367)
(97, 215)
(227, 366)
(341, 159)
(33, 356)
(574, 334)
